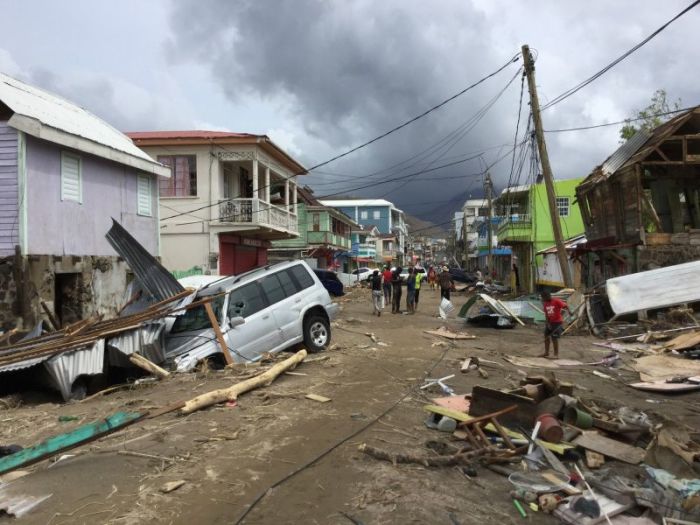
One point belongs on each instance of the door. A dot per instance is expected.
(282, 294)
(259, 333)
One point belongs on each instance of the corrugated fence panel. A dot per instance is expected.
(9, 219)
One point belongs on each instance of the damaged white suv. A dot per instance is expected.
(265, 310)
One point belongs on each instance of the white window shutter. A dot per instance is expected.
(71, 178)
(144, 196)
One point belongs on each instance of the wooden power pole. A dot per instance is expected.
(546, 168)
(489, 196)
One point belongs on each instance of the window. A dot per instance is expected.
(197, 318)
(563, 206)
(375, 214)
(144, 205)
(71, 177)
(183, 176)
(364, 215)
(272, 287)
(301, 276)
(287, 283)
(245, 301)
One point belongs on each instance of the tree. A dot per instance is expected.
(651, 116)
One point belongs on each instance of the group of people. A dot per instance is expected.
(387, 287)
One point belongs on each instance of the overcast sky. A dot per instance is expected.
(321, 76)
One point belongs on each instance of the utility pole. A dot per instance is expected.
(546, 168)
(488, 186)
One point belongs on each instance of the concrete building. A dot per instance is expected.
(64, 174)
(324, 239)
(230, 194)
(526, 226)
(376, 212)
(472, 211)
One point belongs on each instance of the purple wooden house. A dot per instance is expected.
(64, 173)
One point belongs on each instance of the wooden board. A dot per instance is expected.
(559, 448)
(448, 334)
(610, 448)
(684, 341)
(488, 400)
(316, 397)
(665, 388)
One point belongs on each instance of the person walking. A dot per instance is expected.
(555, 323)
(376, 282)
(419, 279)
(386, 277)
(410, 291)
(432, 277)
(396, 290)
(446, 283)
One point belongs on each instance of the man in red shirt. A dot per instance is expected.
(554, 327)
(386, 276)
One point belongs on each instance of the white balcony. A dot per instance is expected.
(257, 213)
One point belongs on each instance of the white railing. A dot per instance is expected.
(257, 212)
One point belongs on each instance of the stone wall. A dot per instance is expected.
(88, 286)
(651, 257)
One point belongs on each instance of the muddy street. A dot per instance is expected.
(278, 457)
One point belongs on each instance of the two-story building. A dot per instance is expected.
(526, 226)
(375, 212)
(229, 195)
(364, 245)
(324, 239)
(64, 174)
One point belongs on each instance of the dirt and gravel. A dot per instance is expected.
(230, 457)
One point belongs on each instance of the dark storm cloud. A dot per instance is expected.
(348, 71)
(343, 72)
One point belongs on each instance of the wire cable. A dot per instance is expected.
(566, 94)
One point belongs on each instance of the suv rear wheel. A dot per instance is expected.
(317, 333)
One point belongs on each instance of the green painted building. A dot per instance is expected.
(324, 235)
(527, 227)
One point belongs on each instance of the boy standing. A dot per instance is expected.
(554, 327)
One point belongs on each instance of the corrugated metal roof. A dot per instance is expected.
(150, 274)
(58, 113)
(625, 152)
(357, 202)
(18, 505)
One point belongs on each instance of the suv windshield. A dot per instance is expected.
(196, 318)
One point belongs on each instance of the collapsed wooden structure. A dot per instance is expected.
(641, 207)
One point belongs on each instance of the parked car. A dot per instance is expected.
(404, 273)
(265, 310)
(363, 273)
(330, 282)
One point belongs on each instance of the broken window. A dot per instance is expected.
(183, 176)
(197, 318)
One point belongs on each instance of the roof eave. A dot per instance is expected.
(35, 128)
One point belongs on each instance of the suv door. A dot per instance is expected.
(283, 293)
(259, 333)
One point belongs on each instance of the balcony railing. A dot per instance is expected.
(514, 226)
(257, 212)
(333, 239)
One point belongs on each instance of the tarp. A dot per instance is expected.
(659, 288)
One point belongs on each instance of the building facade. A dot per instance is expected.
(64, 174)
(526, 226)
(376, 212)
(229, 196)
(324, 240)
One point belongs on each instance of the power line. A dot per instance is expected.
(514, 59)
(626, 121)
(566, 94)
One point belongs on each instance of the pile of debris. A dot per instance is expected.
(571, 458)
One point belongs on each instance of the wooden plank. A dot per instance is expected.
(610, 448)
(559, 448)
(219, 335)
(316, 397)
(62, 442)
(488, 400)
